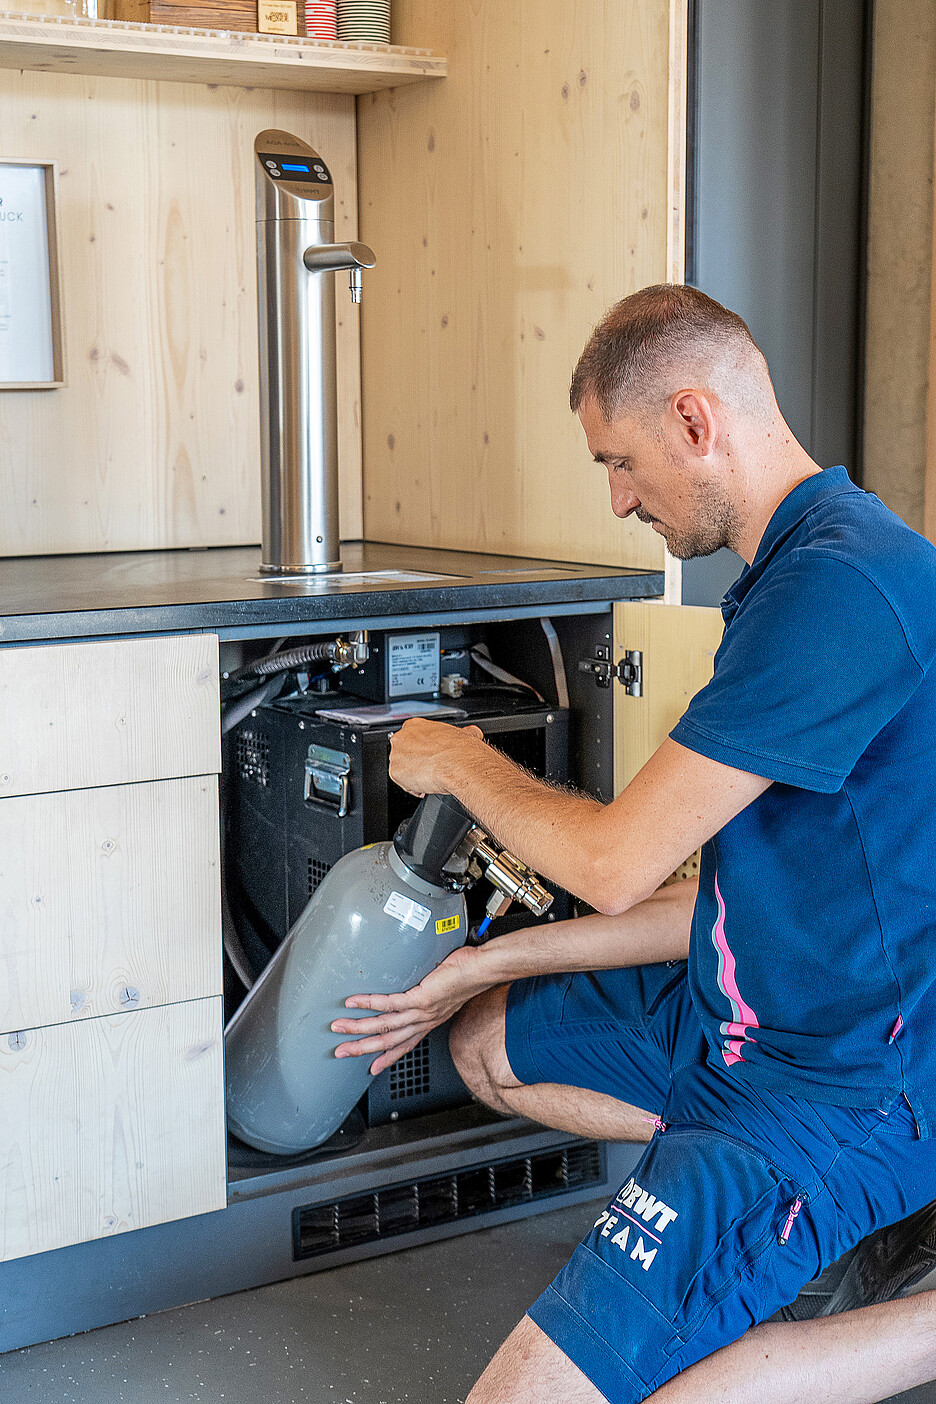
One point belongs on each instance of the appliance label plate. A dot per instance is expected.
(412, 664)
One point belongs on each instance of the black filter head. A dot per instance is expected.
(427, 840)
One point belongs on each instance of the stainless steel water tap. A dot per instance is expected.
(296, 257)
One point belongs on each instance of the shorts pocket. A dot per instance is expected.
(750, 1204)
(685, 1234)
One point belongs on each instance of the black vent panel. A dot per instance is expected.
(409, 1076)
(252, 757)
(317, 870)
(369, 1218)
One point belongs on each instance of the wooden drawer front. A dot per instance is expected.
(110, 1125)
(73, 715)
(109, 900)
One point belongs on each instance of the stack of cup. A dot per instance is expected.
(321, 19)
(364, 19)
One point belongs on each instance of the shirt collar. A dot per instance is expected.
(797, 505)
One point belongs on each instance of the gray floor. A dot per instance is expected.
(411, 1328)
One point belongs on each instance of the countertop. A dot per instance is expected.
(220, 588)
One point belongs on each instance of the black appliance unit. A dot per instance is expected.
(302, 789)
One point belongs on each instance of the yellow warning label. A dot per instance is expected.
(448, 924)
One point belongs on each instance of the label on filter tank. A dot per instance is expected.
(406, 911)
(447, 924)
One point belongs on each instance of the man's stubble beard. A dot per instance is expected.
(715, 526)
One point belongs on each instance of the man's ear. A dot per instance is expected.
(693, 420)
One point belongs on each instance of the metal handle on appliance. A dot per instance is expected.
(328, 780)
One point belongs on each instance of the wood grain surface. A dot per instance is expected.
(110, 1125)
(899, 270)
(509, 206)
(154, 442)
(108, 713)
(678, 645)
(109, 900)
(929, 475)
(178, 54)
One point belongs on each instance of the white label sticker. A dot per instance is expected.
(408, 912)
(412, 664)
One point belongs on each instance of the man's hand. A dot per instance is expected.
(424, 753)
(406, 1018)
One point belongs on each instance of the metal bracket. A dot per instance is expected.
(628, 671)
(327, 779)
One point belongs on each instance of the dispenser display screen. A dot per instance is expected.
(311, 172)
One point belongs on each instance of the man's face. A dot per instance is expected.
(658, 478)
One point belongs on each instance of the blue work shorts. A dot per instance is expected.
(742, 1196)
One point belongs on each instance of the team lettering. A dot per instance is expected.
(628, 1236)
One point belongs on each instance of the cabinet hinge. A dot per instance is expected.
(628, 671)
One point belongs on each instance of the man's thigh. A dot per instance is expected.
(722, 1222)
(620, 1032)
(674, 1267)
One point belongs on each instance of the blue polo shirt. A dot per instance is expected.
(813, 955)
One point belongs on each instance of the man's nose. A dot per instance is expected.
(623, 501)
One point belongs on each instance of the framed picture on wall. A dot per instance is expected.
(31, 342)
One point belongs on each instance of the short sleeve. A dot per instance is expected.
(813, 665)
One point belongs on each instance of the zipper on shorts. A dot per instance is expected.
(784, 1235)
(655, 1121)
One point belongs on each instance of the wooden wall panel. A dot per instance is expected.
(109, 901)
(929, 481)
(154, 442)
(108, 713)
(900, 242)
(508, 207)
(110, 1125)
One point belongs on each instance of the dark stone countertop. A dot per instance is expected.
(219, 588)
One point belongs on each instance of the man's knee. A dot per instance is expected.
(477, 1044)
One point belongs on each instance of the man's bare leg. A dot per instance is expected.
(860, 1357)
(477, 1044)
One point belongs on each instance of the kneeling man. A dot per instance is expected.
(773, 1026)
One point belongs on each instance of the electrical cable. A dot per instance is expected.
(238, 710)
(559, 672)
(480, 654)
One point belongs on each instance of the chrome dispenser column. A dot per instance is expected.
(298, 391)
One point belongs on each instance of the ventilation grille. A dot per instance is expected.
(409, 1076)
(369, 1218)
(253, 757)
(316, 871)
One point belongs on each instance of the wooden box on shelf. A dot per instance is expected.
(208, 14)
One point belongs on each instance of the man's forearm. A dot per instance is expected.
(547, 828)
(654, 930)
(611, 855)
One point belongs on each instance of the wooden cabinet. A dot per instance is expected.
(111, 1080)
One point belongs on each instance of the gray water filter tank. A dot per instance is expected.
(373, 926)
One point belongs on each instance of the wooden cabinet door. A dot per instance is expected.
(108, 713)
(110, 1124)
(109, 900)
(678, 643)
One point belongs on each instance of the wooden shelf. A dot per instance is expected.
(109, 48)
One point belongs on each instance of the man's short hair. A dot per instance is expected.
(645, 340)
